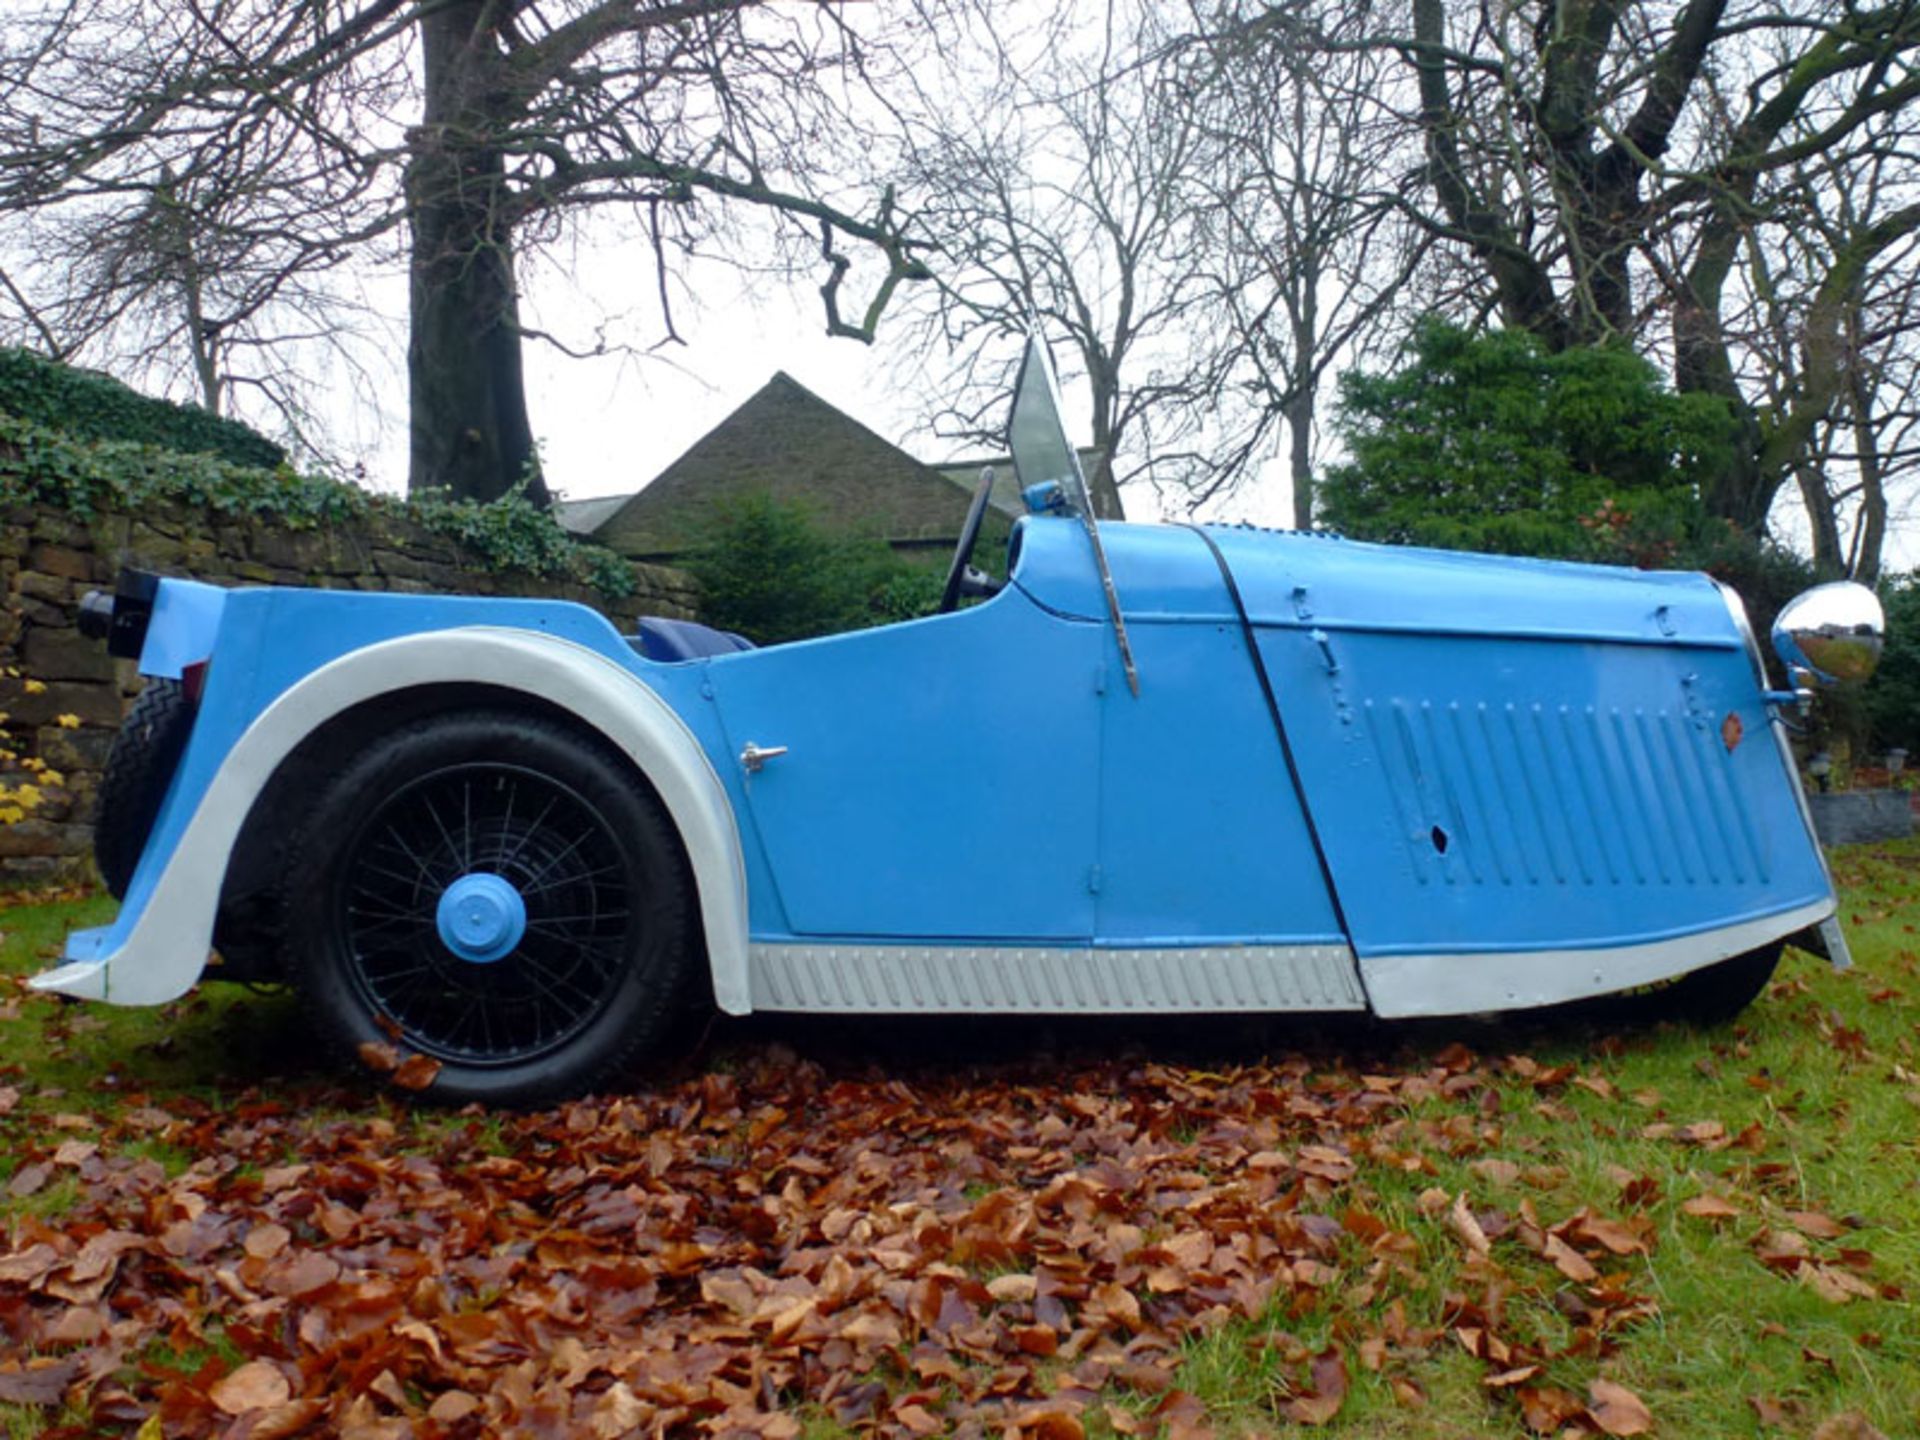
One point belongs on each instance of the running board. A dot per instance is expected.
(857, 979)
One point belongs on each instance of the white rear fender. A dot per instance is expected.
(162, 951)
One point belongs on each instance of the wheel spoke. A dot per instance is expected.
(409, 883)
(531, 830)
(394, 838)
(433, 813)
(532, 890)
(506, 821)
(552, 986)
(411, 924)
(553, 924)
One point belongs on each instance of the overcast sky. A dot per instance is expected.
(609, 424)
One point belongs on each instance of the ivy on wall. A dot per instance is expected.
(91, 406)
(86, 478)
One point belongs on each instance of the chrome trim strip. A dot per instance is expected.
(1406, 986)
(1013, 979)
(1742, 622)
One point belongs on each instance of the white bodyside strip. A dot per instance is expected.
(1404, 986)
(848, 979)
(167, 950)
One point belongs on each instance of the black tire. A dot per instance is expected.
(596, 976)
(140, 766)
(1709, 996)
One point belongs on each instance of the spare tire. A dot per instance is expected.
(139, 768)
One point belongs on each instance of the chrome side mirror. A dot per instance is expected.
(1832, 631)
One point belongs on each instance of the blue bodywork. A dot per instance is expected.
(1405, 752)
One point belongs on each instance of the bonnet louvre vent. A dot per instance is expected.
(1557, 795)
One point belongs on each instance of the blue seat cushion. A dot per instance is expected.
(668, 640)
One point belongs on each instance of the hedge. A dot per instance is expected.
(90, 406)
(45, 466)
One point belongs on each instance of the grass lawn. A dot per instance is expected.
(1477, 1229)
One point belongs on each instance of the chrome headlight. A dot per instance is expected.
(1832, 631)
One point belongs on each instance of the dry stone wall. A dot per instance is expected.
(51, 675)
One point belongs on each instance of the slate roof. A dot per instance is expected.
(583, 517)
(788, 442)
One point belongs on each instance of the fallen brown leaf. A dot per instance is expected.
(1617, 1410)
(1183, 1417)
(1569, 1261)
(1774, 1412)
(416, 1072)
(267, 1240)
(1461, 1221)
(1818, 1226)
(1014, 1289)
(254, 1386)
(37, 1382)
(1710, 1207)
(452, 1406)
(1407, 1394)
(1546, 1409)
(1322, 1402)
(1507, 1379)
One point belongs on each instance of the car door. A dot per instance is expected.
(939, 778)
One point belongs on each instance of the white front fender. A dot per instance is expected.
(158, 953)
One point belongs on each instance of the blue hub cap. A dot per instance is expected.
(481, 918)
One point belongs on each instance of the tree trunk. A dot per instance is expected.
(1298, 411)
(1828, 563)
(1103, 487)
(200, 339)
(1871, 536)
(471, 438)
(1104, 490)
(1303, 307)
(1743, 491)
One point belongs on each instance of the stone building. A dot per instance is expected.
(787, 442)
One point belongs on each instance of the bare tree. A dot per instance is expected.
(1614, 168)
(464, 130)
(1199, 215)
(1802, 314)
(1312, 256)
(168, 289)
(1060, 193)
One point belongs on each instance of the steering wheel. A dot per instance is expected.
(960, 573)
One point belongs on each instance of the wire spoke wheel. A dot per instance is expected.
(551, 848)
(499, 894)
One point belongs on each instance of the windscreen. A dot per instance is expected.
(1036, 437)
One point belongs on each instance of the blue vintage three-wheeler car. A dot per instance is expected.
(1162, 769)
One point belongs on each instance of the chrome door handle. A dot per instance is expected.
(755, 756)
